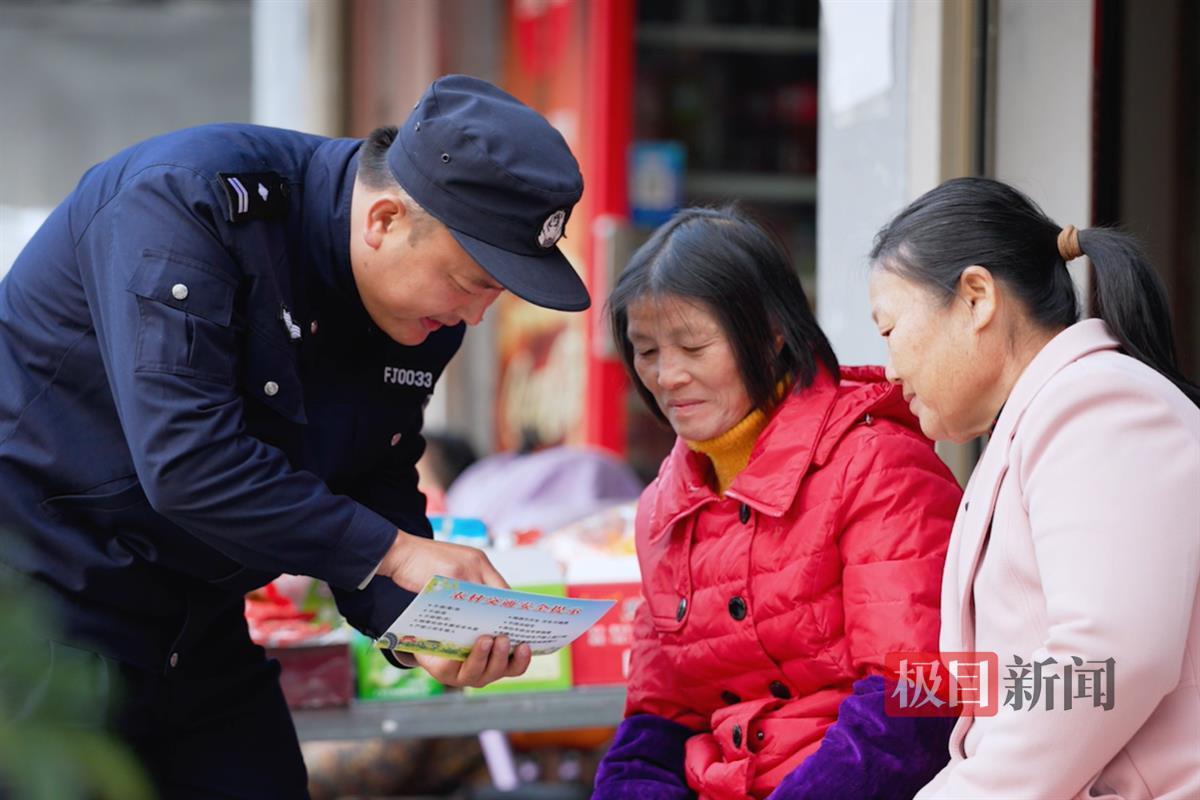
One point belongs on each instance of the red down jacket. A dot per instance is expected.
(765, 605)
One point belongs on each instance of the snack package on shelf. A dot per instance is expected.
(316, 674)
(605, 534)
(600, 560)
(376, 679)
(459, 530)
(314, 654)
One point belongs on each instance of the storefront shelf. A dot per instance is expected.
(762, 187)
(729, 38)
(456, 714)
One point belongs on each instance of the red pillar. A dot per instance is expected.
(608, 110)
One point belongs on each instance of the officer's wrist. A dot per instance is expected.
(391, 561)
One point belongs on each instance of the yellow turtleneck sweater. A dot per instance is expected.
(730, 452)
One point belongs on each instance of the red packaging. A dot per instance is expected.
(316, 665)
(601, 656)
(315, 676)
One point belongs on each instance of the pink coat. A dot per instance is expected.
(1079, 534)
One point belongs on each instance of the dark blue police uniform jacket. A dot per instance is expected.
(193, 399)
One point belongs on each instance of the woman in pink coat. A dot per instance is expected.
(1077, 546)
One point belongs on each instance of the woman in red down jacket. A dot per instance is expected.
(793, 538)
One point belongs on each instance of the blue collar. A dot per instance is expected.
(328, 188)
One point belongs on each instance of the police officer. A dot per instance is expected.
(215, 354)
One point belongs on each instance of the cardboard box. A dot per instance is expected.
(601, 656)
(315, 676)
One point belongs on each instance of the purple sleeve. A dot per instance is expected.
(645, 762)
(868, 753)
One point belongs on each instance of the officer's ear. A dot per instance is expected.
(385, 215)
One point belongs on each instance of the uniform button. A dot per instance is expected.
(179, 291)
(737, 735)
(729, 698)
(396, 439)
(681, 610)
(737, 608)
(270, 388)
(312, 326)
(174, 661)
(744, 513)
(778, 689)
(759, 735)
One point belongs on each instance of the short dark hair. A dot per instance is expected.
(742, 274)
(980, 221)
(374, 172)
(373, 169)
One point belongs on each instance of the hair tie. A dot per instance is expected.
(1068, 244)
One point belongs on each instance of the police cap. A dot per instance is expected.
(500, 178)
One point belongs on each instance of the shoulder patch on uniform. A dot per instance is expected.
(254, 195)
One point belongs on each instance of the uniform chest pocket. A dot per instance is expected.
(184, 312)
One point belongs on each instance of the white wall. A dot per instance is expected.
(1043, 136)
(82, 81)
(882, 119)
(863, 153)
(297, 64)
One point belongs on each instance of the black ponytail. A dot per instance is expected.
(1128, 295)
(968, 221)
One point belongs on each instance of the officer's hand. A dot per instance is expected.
(413, 560)
(490, 659)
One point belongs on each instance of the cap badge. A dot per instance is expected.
(552, 229)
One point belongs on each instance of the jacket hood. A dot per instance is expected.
(801, 433)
